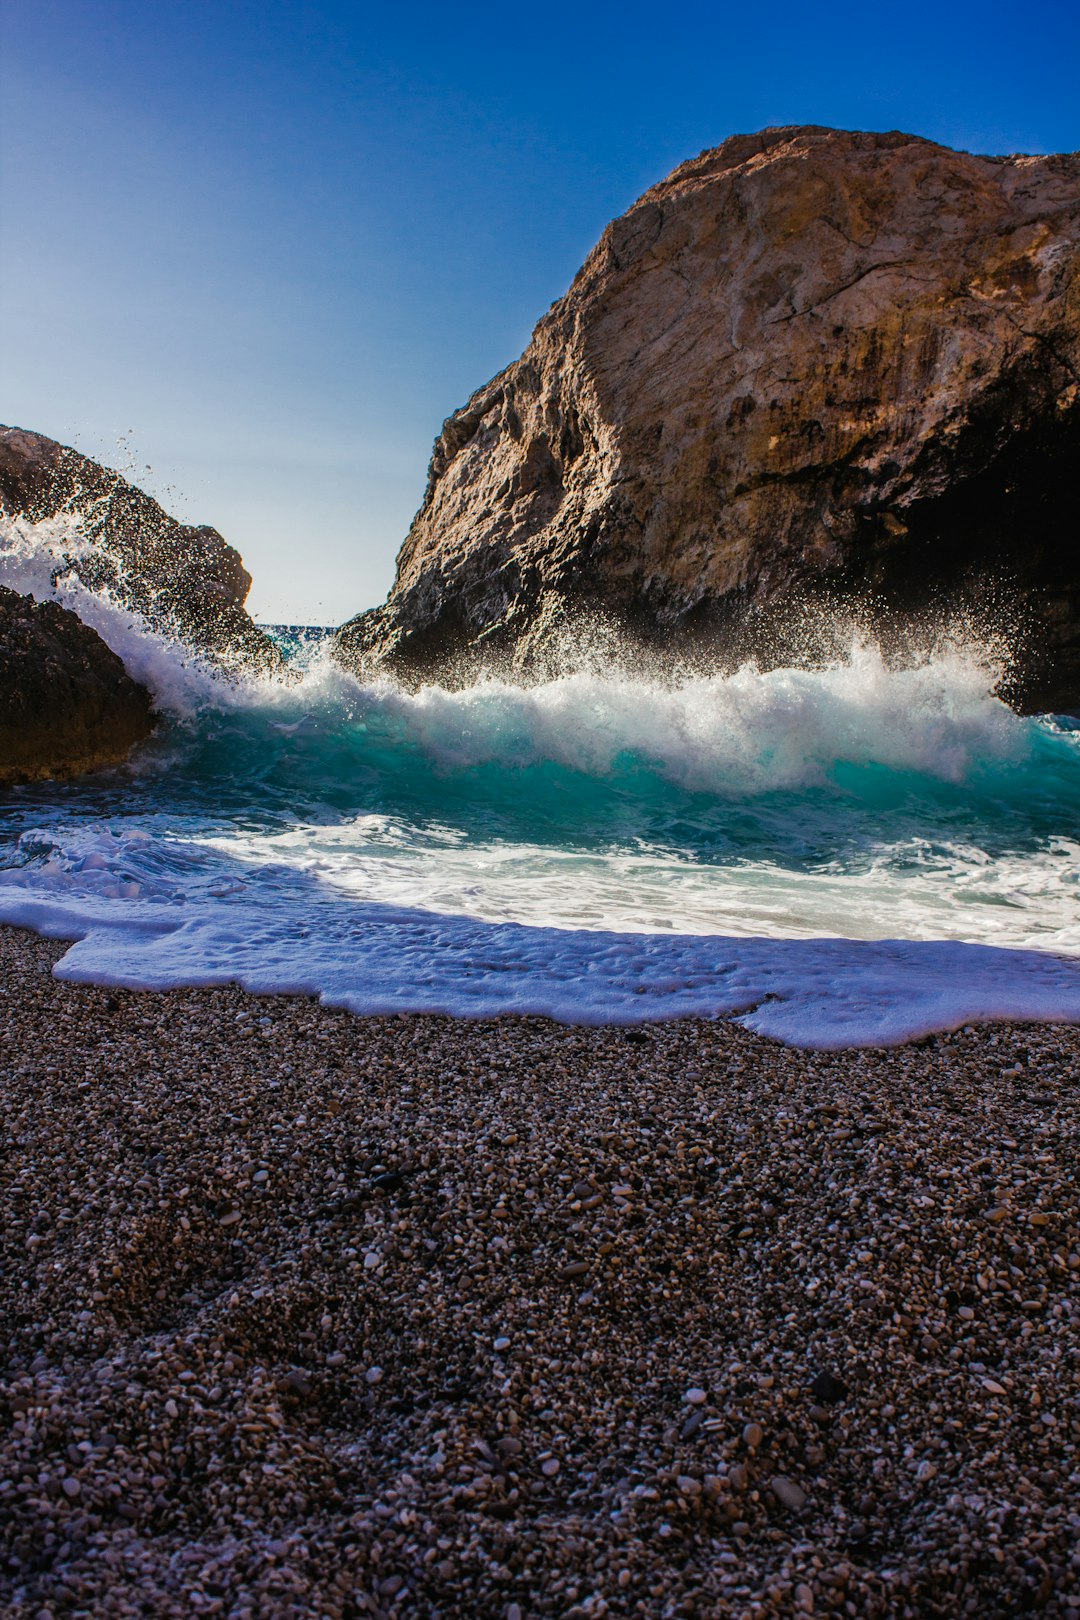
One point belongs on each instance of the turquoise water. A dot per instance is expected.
(596, 846)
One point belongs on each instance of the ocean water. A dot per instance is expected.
(851, 855)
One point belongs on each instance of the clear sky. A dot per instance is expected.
(254, 251)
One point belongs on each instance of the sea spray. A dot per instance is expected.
(597, 845)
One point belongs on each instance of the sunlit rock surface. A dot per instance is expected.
(808, 364)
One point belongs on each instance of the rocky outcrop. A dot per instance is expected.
(809, 364)
(184, 579)
(66, 704)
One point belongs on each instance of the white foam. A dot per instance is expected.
(385, 909)
(35, 560)
(746, 732)
(822, 994)
(948, 891)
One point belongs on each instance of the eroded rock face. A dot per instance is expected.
(809, 363)
(66, 703)
(179, 576)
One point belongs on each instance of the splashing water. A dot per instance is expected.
(596, 847)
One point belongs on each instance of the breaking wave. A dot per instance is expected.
(595, 846)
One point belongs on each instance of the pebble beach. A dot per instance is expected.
(305, 1314)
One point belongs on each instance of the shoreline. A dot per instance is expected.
(312, 1313)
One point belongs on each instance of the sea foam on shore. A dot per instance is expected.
(853, 854)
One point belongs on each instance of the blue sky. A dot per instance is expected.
(262, 249)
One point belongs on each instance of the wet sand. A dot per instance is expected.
(307, 1314)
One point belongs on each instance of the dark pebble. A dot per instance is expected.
(828, 1389)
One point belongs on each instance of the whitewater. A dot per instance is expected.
(857, 854)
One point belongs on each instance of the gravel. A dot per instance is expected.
(305, 1314)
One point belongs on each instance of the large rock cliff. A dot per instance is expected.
(184, 579)
(66, 704)
(809, 363)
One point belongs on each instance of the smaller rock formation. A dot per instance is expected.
(66, 704)
(182, 578)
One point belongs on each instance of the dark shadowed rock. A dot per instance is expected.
(181, 577)
(809, 364)
(66, 704)
(827, 1388)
